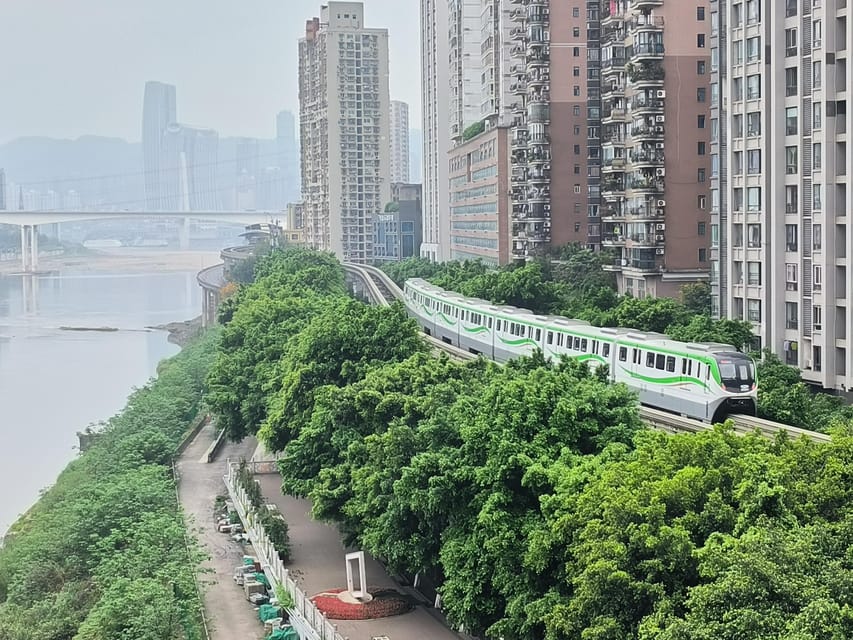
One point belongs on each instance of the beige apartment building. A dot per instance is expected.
(344, 118)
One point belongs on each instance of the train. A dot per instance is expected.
(700, 380)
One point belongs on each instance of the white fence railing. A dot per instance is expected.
(308, 621)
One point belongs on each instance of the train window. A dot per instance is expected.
(684, 366)
(577, 344)
(660, 361)
(595, 346)
(650, 360)
(538, 335)
(490, 323)
(636, 356)
(623, 354)
(670, 364)
(605, 349)
(550, 337)
(584, 344)
(559, 339)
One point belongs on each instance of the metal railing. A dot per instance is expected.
(308, 621)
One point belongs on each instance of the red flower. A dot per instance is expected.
(385, 603)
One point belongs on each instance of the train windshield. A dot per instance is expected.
(737, 372)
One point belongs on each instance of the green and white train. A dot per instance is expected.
(705, 381)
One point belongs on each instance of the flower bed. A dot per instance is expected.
(385, 603)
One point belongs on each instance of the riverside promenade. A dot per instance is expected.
(318, 565)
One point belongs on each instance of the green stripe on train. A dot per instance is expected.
(519, 342)
(666, 381)
(475, 329)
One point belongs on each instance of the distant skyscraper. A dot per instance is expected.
(399, 141)
(159, 111)
(416, 151)
(288, 156)
(344, 114)
(435, 98)
(188, 164)
(2, 190)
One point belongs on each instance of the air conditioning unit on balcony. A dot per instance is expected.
(658, 129)
(661, 94)
(660, 173)
(660, 227)
(660, 119)
(659, 212)
(659, 251)
(659, 145)
(624, 262)
(659, 237)
(661, 203)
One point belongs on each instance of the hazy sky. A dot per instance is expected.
(73, 67)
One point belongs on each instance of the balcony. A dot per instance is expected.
(537, 14)
(613, 165)
(645, 24)
(518, 177)
(643, 104)
(616, 114)
(539, 113)
(612, 13)
(646, 266)
(647, 132)
(539, 140)
(613, 90)
(646, 158)
(538, 176)
(538, 78)
(519, 140)
(645, 74)
(648, 184)
(518, 34)
(612, 213)
(612, 65)
(646, 239)
(538, 59)
(519, 87)
(612, 240)
(645, 5)
(539, 157)
(647, 51)
(612, 187)
(539, 195)
(644, 213)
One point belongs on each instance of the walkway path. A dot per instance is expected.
(318, 565)
(229, 614)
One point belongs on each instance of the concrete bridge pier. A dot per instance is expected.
(29, 248)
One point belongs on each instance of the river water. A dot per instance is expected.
(55, 382)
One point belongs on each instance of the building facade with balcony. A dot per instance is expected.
(344, 121)
(556, 113)
(479, 198)
(785, 239)
(656, 95)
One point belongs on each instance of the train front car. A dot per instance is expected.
(738, 389)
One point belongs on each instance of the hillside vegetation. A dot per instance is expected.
(531, 492)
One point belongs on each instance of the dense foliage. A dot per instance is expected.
(545, 509)
(103, 555)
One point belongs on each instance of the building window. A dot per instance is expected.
(791, 121)
(577, 149)
(792, 198)
(791, 243)
(790, 8)
(700, 94)
(700, 122)
(737, 52)
(701, 202)
(817, 118)
(753, 49)
(817, 318)
(817, 197)
(700, 13)
(577, 169)
(791, 313)
(753, 274)
(737, 126)
(753, 161)
(700, 40)
(791, 160)
(737, 89)
(737, 235)
(737, 14)
(753, 87)
(576, 110)
(817, 237)
(753, 309)
(576, 12)
(791, 81)
(700, 174)
(753, 11)
(576, 72)
(700, 229)
(576, 90)
(715, 58)
(715, 235)
(576, 32)
(817, 74)
(753, 239)
(700, 67)
(737, 199)
(791, 277)
(703, 255)
(700, 148)
(715, 129)
(817, 280)
(817, 159)
(753, 198)
(576, 52)
(753, 123)
(577, 188)
(737, 164)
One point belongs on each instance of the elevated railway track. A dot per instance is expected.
(380, 289)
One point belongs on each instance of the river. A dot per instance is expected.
(55, 382)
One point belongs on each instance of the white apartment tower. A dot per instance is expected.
(785, 240)
(497, 18)
(399, 141)
(344, 117)
(466, 69)
(435, 100)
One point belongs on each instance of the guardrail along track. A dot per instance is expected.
(383, 290)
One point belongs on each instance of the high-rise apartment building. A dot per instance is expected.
(399, 141)
(556, 110)
(344, 109)
(188, 167)
(656, 136)
(496, 24)
(466, 69)
(785, 241)
(435, 94)
(159, 111)
(2, 190)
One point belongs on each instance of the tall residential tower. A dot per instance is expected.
(344, 113)
(399, 141)
(159, 111)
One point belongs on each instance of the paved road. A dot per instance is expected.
(318, 565)
(229, 614)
